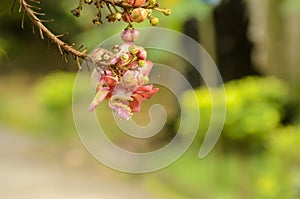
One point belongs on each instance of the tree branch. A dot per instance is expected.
(63, 47)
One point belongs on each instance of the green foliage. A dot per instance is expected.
(284, 144)
(54, 91)
(228, 176)
(185, 11)
(53, 97)
(254, 108)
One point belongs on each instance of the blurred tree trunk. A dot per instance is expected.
(275, 32)
(233, 47)
(291, 26)
(191, 29)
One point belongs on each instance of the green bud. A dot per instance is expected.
(152, 2)
(133, 49)
(142, 63)
(154, 21)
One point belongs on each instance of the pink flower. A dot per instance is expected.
(123, 82)
(124, 102)
(139, 15)
(125, 96)
(130, 35)
(104, 90)
(139, 95)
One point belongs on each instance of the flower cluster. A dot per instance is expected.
(127, 10)
(124, 80)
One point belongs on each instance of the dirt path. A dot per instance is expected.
(32, 170)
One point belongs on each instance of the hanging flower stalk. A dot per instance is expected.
(124, 81)
(121, 76)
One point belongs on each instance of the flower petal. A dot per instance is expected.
(146, 91)
(110, 81)
(135, 104)
(139, 95)
(95, 78)
(100, 96)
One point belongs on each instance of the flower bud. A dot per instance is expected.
(133, 49)
(167, 12)
(154, 21)
(139, 15)
(124, 57)
(130, 35)
(152, 2)
(118, 16)
(142, 54)
(142, 63)
(135, 34)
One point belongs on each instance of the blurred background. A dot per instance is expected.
(255, 45)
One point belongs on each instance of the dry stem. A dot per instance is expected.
(63, 47)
